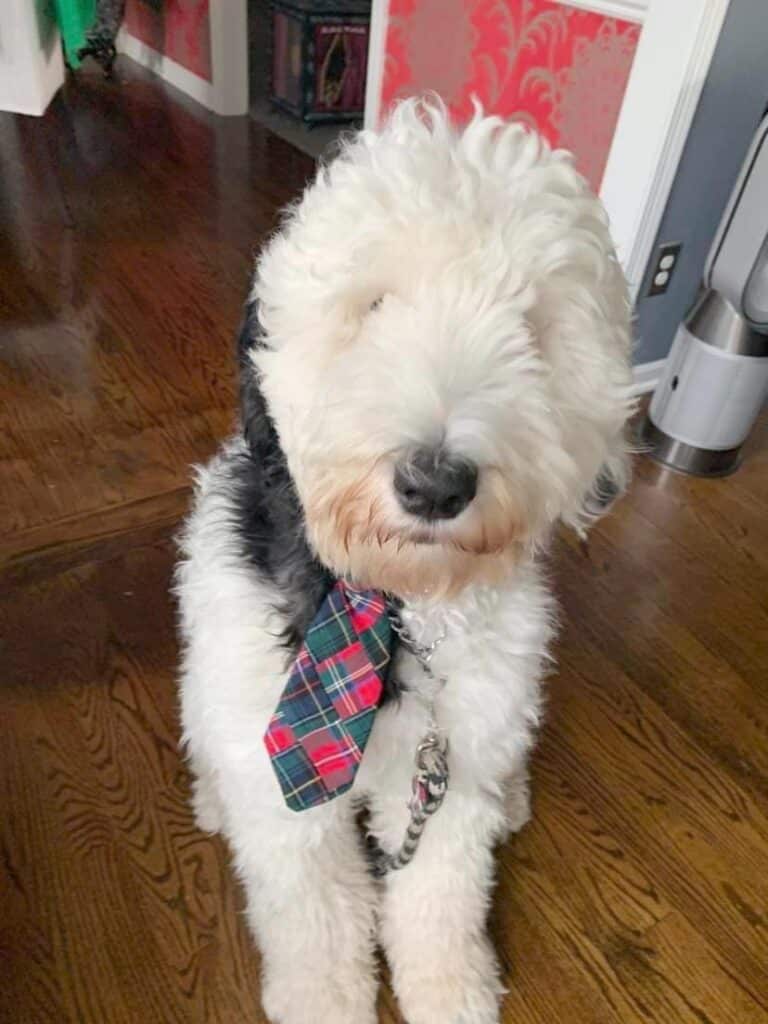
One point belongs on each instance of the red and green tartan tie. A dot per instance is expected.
(319, 730)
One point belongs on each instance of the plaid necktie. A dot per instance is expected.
(319, 730)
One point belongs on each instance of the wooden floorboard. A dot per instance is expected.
(638, 894)
(41, 551)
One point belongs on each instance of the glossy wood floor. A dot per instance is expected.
(639, 893)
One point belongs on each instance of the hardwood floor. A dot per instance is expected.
(638, 894)
(129, 225)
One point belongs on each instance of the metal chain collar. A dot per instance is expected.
(430, 780)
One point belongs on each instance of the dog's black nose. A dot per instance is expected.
(432, 484)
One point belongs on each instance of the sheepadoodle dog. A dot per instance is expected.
(434, 370)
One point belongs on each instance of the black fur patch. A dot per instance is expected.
(268, 515)
(270, 520)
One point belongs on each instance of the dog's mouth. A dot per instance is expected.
(436, 537)
(422, 538)
(405, 538)
(424, 533)
(424, 541)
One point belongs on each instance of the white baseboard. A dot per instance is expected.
(646, 376)
(191, 84)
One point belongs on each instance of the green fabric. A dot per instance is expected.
(75, 18)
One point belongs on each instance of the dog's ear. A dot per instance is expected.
(258, 428)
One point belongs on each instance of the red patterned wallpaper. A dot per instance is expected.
(180, 29)
(561, 69)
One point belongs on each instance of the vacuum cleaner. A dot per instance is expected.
(715, 378)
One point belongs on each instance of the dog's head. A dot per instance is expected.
(443, 352)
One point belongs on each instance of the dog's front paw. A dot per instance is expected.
(464, 990)
(307, 999)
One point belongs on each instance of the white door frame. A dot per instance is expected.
(673, 56)
(671, 64)
(374, 73)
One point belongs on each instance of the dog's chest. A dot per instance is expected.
(482, 690)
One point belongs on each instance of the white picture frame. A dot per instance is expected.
(227, 92)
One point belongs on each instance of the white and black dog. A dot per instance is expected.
(434, 372)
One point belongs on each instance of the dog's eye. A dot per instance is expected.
(375, 304)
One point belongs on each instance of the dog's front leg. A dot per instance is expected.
(433, 923)
(311, 907)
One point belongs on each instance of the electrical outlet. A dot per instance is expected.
(667, 258)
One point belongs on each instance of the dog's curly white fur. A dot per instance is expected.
(433, 287)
